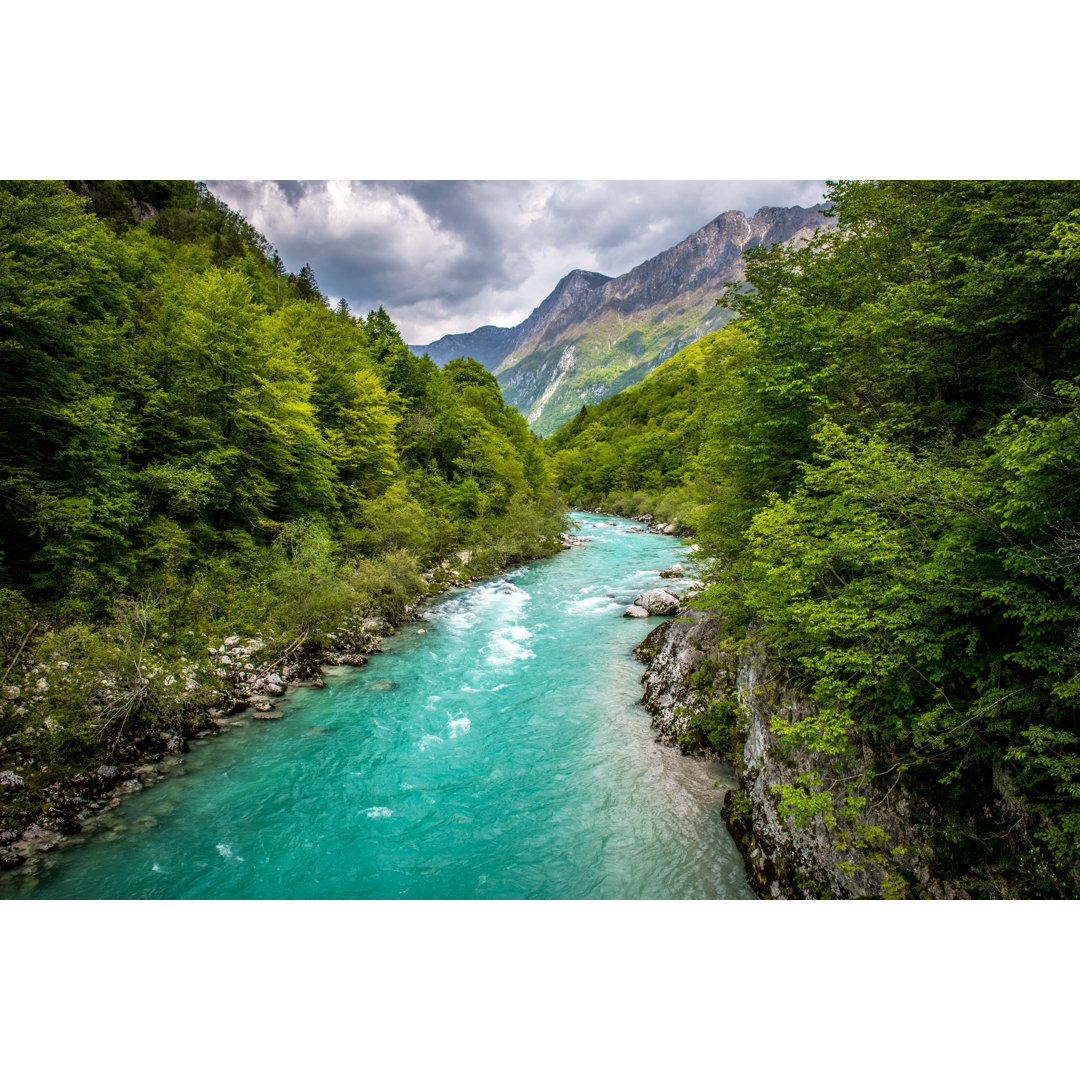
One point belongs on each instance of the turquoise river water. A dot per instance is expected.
(500, 754)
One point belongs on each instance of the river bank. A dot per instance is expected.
(248, 676)
(499, 750)
(872, 832)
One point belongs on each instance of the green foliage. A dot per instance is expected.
(308, 580)
(885, 448)
(640, 451)
(615, 352)
(737, 805)
(194, 445)
(717, 727)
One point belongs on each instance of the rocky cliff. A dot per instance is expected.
(595, 335)
(705, 696)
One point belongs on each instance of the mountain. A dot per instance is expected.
(595, 335)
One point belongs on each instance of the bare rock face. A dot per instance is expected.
(658, 602)
(538, 370)
(879, 852)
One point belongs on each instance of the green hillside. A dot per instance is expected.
(613, 353)
(639, 451)
(880, 460)
(193, 445)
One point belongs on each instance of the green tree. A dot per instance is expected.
(306, 286)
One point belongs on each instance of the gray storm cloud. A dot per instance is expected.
(446, 256)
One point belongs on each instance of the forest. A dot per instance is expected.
(193, 445)
(880, 461)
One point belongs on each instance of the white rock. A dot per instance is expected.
(658, 602)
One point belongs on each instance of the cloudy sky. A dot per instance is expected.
(448, 256)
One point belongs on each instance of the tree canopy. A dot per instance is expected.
(189, 431)
(880, 460)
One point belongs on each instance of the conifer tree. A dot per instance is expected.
(307, 286)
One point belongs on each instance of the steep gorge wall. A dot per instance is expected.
(693, 684)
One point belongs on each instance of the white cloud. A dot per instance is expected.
(448, 256)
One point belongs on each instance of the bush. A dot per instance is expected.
(718, 728)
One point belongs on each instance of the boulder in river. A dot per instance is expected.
(635, 612)
(658, 602)
(673, 571)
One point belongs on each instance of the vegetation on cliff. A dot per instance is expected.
(193, 445)
(882, 452)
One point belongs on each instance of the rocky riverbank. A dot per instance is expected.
(240, 675)
(650, 523)
(707, 697)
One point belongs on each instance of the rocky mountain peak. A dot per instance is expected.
(594, 335)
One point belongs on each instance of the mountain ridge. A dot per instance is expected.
(594, 334)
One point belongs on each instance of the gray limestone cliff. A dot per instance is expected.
(694, 684)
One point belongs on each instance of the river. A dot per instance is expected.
(496, 750)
